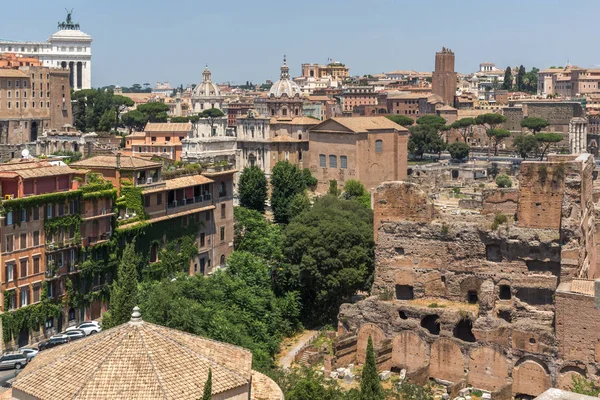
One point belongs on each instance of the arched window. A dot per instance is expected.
(378, 146)
(154, 252)
(222, 261)
(322, 161)
(332, 161)
(222, 190)
(71, 314)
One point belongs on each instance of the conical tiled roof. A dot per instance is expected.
(136, 360)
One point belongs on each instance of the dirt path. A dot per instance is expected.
(286, 357)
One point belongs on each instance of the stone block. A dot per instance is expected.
(486, 396)
(384, 376)
(351, 367)
(349, 377)
(464, 392)
(333, 375)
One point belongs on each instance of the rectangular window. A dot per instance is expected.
(49, 211)
(24, 296)
(332, 161)
(9, 243)
(36, 294)
(343, 162)
(61, 209)
(159, 199)
(223, 211)
(36, 213)
(207, 216)
(36, 238)
(222, 234)
(202, 239)
(23, 268)
(9, 218)
(378, 146)
(322, 161)
(146, 201)
(10, 272)
(23, 244)
(36, 265)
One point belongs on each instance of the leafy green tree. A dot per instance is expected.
(120, 104)
(252, 188)
(287, 180)
(298, 204)
(305, 384)
(520, 77)
(464, 126)
(254, 234)
(490, 120)
(354, 190)
(583, 386)
(370, 386)
(236, 305)
(432, 120)
(106, 121)
(400, 119)
(507, 84)
(329, 249)
(535, 124)
(410, 391)
(530, 81)
(424, 139)
(155, 111)
(211, 115)
(503, 181)
(546, 140)
(459, 150)
(497, 135)
(309, 180)
(207, 393)
(525, 145)
(124, 293)
(134, 120)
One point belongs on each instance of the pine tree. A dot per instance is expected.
(370, 387)
(207, 395)
(520, 77)
(507, 84)
(123, 296)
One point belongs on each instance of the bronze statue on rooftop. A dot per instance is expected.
(68, 23)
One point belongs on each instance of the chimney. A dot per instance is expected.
(118, 160)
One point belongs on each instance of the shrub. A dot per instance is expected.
(503, 181)
(499, 219)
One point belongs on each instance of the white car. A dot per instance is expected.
(89, 327)
(30, 353)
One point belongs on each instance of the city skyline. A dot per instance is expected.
(149, 36)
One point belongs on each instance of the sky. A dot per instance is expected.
(139, 41)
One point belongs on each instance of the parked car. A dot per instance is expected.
(89, 327)
(13, 360)
(54, 341)
(74, 334)
(29, 353)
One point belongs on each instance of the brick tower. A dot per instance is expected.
(444, 77)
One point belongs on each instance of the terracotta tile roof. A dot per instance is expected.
(264, 388)
(136, 360)
(365, 124)
(168, 127)
(304, 121)
(446, 108)
(110, 161)
(181, 182)
(12, 73)
(39, 169)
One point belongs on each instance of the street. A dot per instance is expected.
(6, 375)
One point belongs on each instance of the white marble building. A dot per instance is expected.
(206, 94)
(68, 48)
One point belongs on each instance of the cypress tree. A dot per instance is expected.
(507, 84)
(370, 387)
(207, 395)
(123, 296)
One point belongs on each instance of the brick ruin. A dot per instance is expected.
(500, 298)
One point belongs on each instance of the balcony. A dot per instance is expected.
(61, 245)
(92, 240)
(98, 213)
(192, 202)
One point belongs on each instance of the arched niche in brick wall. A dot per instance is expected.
(530, 377)
(446, 360)
(488, 369)
(409, 351)
(566, 375)
(364, 332)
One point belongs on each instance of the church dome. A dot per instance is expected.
(285, 86)
(207, 88)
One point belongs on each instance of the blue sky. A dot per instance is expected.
(137, 41)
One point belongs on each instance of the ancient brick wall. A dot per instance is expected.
(472, 302)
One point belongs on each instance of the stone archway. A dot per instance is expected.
(530, 377)
(409, 351)
(488, 369)
(566, 375)
(446, 361)
(364, 332)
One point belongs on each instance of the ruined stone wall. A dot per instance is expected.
(514, 116)
(473, 299)
(558, 114)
